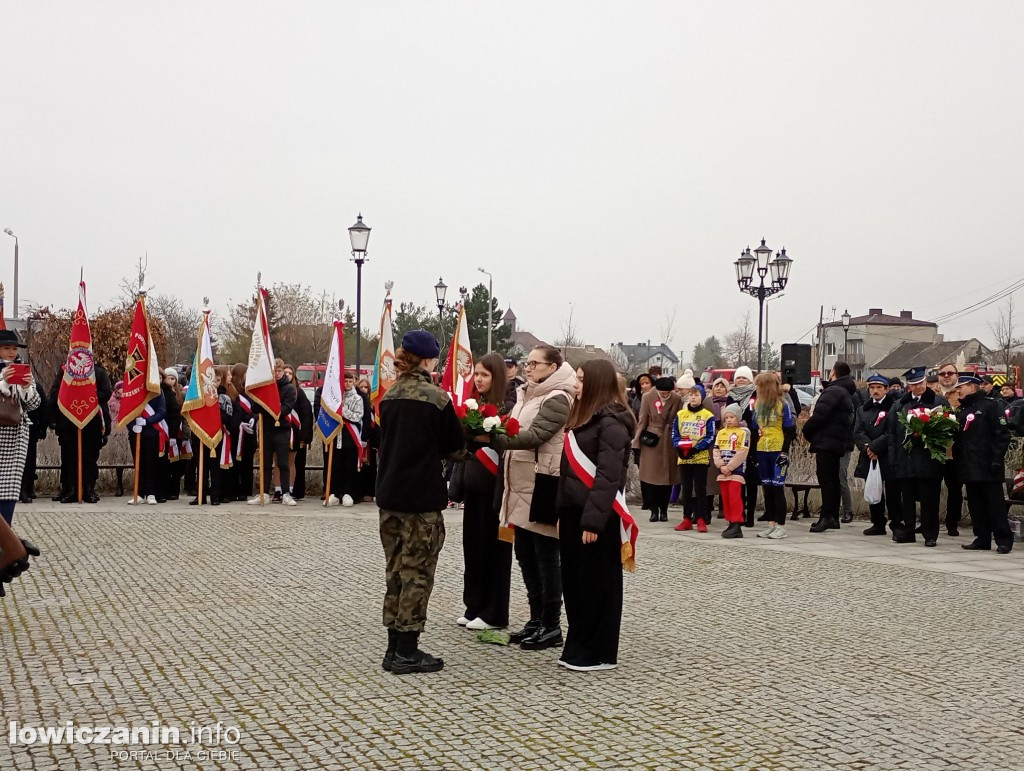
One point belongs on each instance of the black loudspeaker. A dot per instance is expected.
(796, 363)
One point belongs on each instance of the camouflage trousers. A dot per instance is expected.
(411, 543)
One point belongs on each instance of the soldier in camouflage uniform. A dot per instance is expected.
(418, 432)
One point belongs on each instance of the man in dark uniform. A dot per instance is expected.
(40, 420)
(872, 439)
(917, 473)
(94, 436)
(830, 433)
(979, 453)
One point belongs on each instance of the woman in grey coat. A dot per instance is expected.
(14, 439)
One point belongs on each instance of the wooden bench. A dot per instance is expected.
(797, 488)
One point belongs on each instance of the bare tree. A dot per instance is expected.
(131, 285)
(1004, 332)
(741, 345)
(180, 323)
(668, 329)
(570, 334)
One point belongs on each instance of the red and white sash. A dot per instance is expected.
(586, 470)
(162, 430)
(357, 438)
(225, 451)
(488, 459)
(295, 423)
(173, 452)
(186, 449)
(246, 406)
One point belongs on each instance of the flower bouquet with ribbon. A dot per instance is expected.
(935, 427)
(479, 419)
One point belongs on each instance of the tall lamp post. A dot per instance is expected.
(490, 303)
(761, 261)
(846, 334)
(440, 289)
(8, 232)
(359, 235)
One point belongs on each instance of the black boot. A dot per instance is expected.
(409, 659)
(654, 515)
(733, 531)
(823, 524)
(527, 631)
(544, 637)
(664, 515)
(389, 654)
(847, 518)
(59, 497)
(875, 530)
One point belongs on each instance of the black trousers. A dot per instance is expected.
(276, 444)
(988, 513)
(890, 502)
(592, 582)
(827, 466)
(368, 475)
(149, 464)
(345, 472)
(211, 471)
(657, 498)
(927, 491)
(171, 473)
(299, 483)
(775, 504)
(488, 561)
(694, 480)
(954, 496)
(645, 496)
(28, 477)
(92, 441)
(538, 559)
(245, 469)
(753, 484)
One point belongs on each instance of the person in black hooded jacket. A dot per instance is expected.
(601, 428)
(830, 433)
(871, 436)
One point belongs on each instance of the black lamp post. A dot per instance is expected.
(359, 235)
(440, 288)
(760, 260)
(846, 334)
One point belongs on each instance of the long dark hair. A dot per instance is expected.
(600, 389)
(495, 364)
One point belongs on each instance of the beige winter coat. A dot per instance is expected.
(658, 464)
(542, 410)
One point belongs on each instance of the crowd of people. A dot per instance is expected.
(552, 494)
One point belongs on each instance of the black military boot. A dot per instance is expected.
(389, 654)
(409, 659)
(527, 631)
(544, 637)
(60, 496)
(733, 531)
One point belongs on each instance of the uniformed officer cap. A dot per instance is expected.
(968, 378)
(421, 343)
(915, 375)
(879, 379)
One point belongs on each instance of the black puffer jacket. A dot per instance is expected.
(918, 462)
(870, 432)
(305, 410)
(606, 441)
(979, 450)
(830, 427)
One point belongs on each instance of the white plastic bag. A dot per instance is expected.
(873, 487)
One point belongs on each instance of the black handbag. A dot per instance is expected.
(649, 439)
(456, 484)
(542, 504)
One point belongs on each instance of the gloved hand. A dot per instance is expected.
(15, 569)
(247, 427)
(136, 429)
(140, 421)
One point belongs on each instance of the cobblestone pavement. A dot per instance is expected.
(735, 655)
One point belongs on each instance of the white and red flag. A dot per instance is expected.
(332, 395)
(77, 397)
(141, 370)
(260, 381)
(458, 372)
(384, 373)
(202, 403)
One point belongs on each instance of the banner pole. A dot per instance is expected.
(327, 479)
(79, 465)
(200, 480)
(138, 449)
(260, 450)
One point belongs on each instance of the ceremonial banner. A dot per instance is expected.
(3, 321)
(141, 371)
(384, 374)
(332, 398)
(202, 406)
(77, 396)
(458, 372)
(260, 381)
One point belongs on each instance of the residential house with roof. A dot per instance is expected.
(870, 337)
(638, 358)
(931, 355)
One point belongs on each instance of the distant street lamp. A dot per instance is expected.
(440, 289)
(761, 261)
(359, 235)
(490, 302)
(8, 232)
(846, 334)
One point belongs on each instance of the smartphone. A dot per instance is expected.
(17, 374)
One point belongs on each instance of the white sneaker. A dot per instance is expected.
(133, 501)
(287, 500)
(255, 500)
(778, 532)
(767, 532)
(478, 623)
(462, 621)
(333, 500)
(151, 500)
(588, 667)
(346, 500)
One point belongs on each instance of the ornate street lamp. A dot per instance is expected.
(760, 260)
(846, 333)
(359, 236)
(440, 289)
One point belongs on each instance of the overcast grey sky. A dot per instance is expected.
(617, 156)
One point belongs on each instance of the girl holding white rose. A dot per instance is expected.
(487, 560)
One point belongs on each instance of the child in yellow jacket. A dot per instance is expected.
(693, 434)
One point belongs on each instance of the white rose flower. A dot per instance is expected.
(491, 423)
(471, 404)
